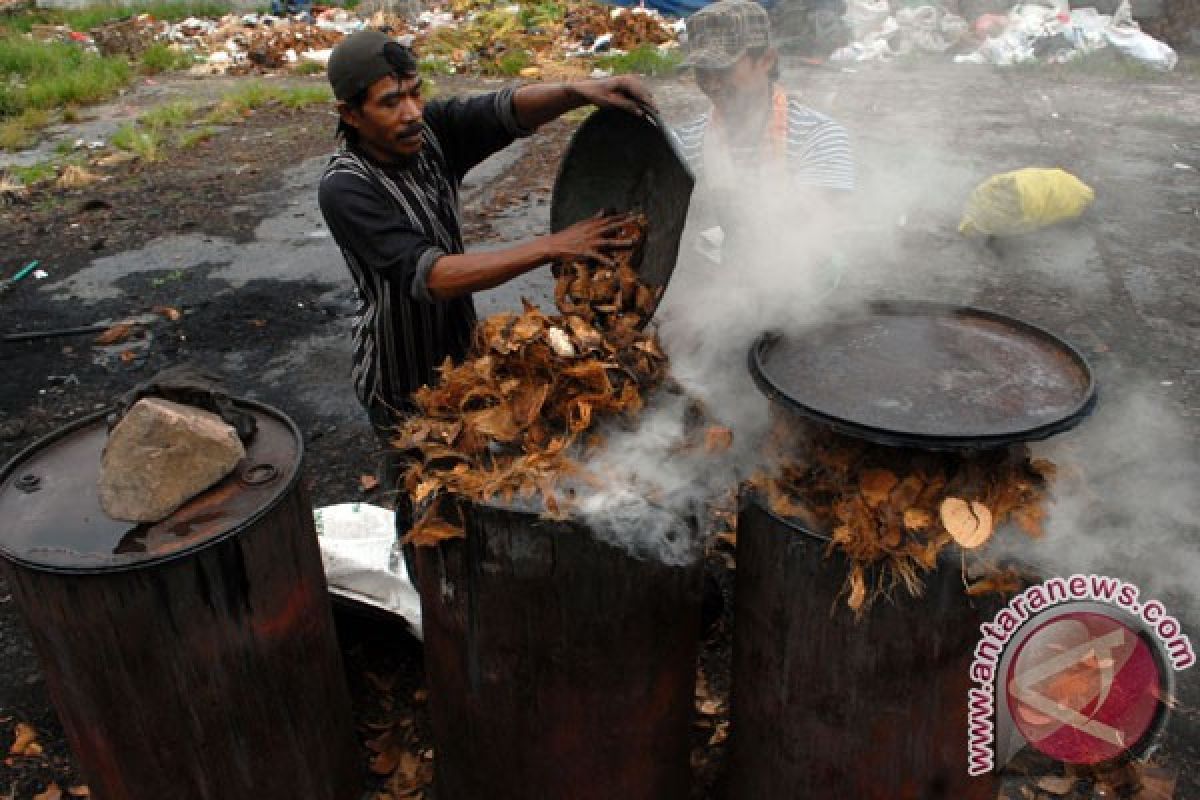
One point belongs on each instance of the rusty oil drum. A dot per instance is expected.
(559, 666)
(194, 658)
(827, 706)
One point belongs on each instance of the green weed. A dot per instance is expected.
(309, 68)
(85, 19)
(645, 59)
(145, 143)
(170, 115)
(190, 139)
(298, 97)
(509, 64)
(21, 132)
(34, 173)
(48, 75)
(161, 57)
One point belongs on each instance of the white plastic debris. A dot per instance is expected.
(364, 563)
(317, 56)
(1143, 47)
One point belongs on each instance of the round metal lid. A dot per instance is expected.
(622, 162)
(935, 377)
(50, 515)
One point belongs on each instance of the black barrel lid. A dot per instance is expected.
(50, 515)
(624, 162)
(929, 376)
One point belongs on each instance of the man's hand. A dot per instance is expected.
(626, 92)
(592, 239)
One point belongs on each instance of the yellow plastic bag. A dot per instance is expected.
(1024, 201)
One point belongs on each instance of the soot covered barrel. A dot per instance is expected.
(193, 658)
(559, 666)
(827, 706)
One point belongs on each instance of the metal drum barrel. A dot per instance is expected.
(827, 706)
(193, 658)
(559, 666)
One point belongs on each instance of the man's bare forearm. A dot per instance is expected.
(538, 103)
(459, 274)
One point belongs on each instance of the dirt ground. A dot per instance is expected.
(229, 235)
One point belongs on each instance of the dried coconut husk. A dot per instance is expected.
(512, 421)
(892, 512)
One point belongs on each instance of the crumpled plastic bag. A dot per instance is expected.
(1142, 47)
(1023, 201)
(189, 385)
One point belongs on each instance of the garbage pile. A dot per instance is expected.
(1027, 33)
(508, 38)
(892, 511)
(521, 412)
(465, 36)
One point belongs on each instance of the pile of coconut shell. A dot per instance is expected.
(515, 419)
(891, 512)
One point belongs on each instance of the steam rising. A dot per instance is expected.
(1134, 514)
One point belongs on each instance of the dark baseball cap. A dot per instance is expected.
(363, 58)
(721, 33)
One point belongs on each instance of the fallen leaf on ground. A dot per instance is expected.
(116, 334)
(26, 737)
(169, 312)
(368, 482)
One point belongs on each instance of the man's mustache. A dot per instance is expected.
(409, 132)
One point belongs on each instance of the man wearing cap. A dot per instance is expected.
(390, 199)
(755, 137)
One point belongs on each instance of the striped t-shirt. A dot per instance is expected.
(392, 224)
(817, 149)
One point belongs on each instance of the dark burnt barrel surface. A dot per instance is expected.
(200, 664)
(825, 706)
(559, 666)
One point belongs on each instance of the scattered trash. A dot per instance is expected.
(1033, 32)
(1023, 201)
(9, 283)
(363, 562)
(40, 274)
(27, 336)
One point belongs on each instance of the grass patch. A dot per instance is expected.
(34, 173)
(49, 75)
(247, 98)
(309, 68)
(645, 59)
(161, 57)
(84, 19)
(435, 66)
(145, 143)
(304, 96)
(21, 132)
(542, 14)
(190, 139)
(510, 64)
(171, 115)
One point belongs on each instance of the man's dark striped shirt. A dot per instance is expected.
(392, 224)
